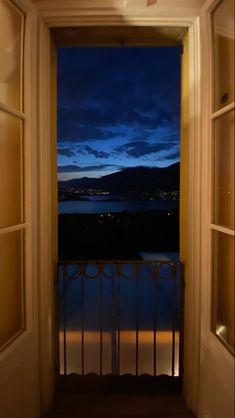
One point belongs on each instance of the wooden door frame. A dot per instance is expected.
(21, 352)
(71, 15)
(212, 351)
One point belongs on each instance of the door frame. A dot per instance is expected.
(52, 15)
(216, 362)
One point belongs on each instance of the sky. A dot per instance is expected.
(117, 108)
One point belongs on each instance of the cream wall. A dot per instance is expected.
(19, 391)
(135, 4)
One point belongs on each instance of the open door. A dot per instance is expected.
(217, 284)
(19, 369)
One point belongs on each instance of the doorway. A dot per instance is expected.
(192, 194)
(71, 191)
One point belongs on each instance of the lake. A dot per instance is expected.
(101, 204)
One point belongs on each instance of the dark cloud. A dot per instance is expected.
(102, 87)
(85, 149)
(95, 124)
(175, 155)
(67, 152)
(92, 124)
(117, 95)
(137, 149)
(98, 73)
(173, 138)
(80, 125)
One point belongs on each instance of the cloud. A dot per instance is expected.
(78, 124)
(175, 155)
(100, 88)
(71, 129)
(137, 149)
(172, 137)
(123, 73)
(67, 152)
(85, 149)
(76, 169)
(122, 100)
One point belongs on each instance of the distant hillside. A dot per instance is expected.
(137, 179)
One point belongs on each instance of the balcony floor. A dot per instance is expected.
(118, 406)
(87, 402)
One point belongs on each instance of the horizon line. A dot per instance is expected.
(104, 175)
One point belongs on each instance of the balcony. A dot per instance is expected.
(120, 318)
(120, 339)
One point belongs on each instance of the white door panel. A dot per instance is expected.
(216, 384)
(19, 370)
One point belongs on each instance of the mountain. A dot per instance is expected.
(137, 179)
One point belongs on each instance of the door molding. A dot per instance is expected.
(50, 17)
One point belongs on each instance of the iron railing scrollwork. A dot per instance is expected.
(104, 290)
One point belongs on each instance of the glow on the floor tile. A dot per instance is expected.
(127, 352)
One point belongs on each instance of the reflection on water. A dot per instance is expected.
(105, 206)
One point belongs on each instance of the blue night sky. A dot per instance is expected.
(117, 108)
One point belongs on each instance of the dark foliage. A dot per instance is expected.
(117, 235)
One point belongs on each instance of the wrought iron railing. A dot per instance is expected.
(119, 317)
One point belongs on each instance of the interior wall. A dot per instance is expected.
(19, 392)
(216, 388)
(123, 3)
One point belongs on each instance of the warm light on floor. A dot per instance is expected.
(127, 352)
